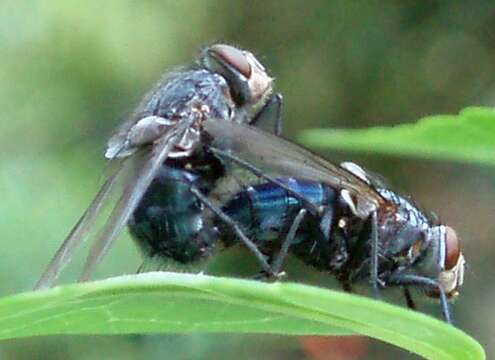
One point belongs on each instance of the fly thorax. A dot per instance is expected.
(402, 228)
(401, 242)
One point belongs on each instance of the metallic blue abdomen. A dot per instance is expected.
(266, 211)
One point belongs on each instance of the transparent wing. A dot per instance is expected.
(134, 174)
(80, 231)
(147, 163)
(278, 156)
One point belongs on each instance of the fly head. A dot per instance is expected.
(249, 81)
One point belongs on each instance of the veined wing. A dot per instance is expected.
(142, 168)
(147, 163)
(281, 157)
(80, 231)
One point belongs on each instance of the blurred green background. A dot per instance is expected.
(71, 71)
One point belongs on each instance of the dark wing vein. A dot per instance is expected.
(281, 157)
(78, 233)
(147, 164)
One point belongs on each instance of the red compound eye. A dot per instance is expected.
(234, 57)
(452, 248)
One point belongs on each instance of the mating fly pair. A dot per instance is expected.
(184, 141)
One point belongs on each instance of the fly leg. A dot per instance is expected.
(272, 110)
(374, 256)
(415, 280)
(236, 228)
(346, 284)
(409, 300)
(279, 260)
(151, 263)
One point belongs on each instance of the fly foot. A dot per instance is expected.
(270, 277)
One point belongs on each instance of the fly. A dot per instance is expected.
(165, 140)
(337, 218)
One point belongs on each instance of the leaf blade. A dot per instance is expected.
(467, 137)
(184, 303)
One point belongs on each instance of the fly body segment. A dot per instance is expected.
(338, 219)
(163, 166)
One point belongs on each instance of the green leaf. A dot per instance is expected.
(184, 303)
(468, 137)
